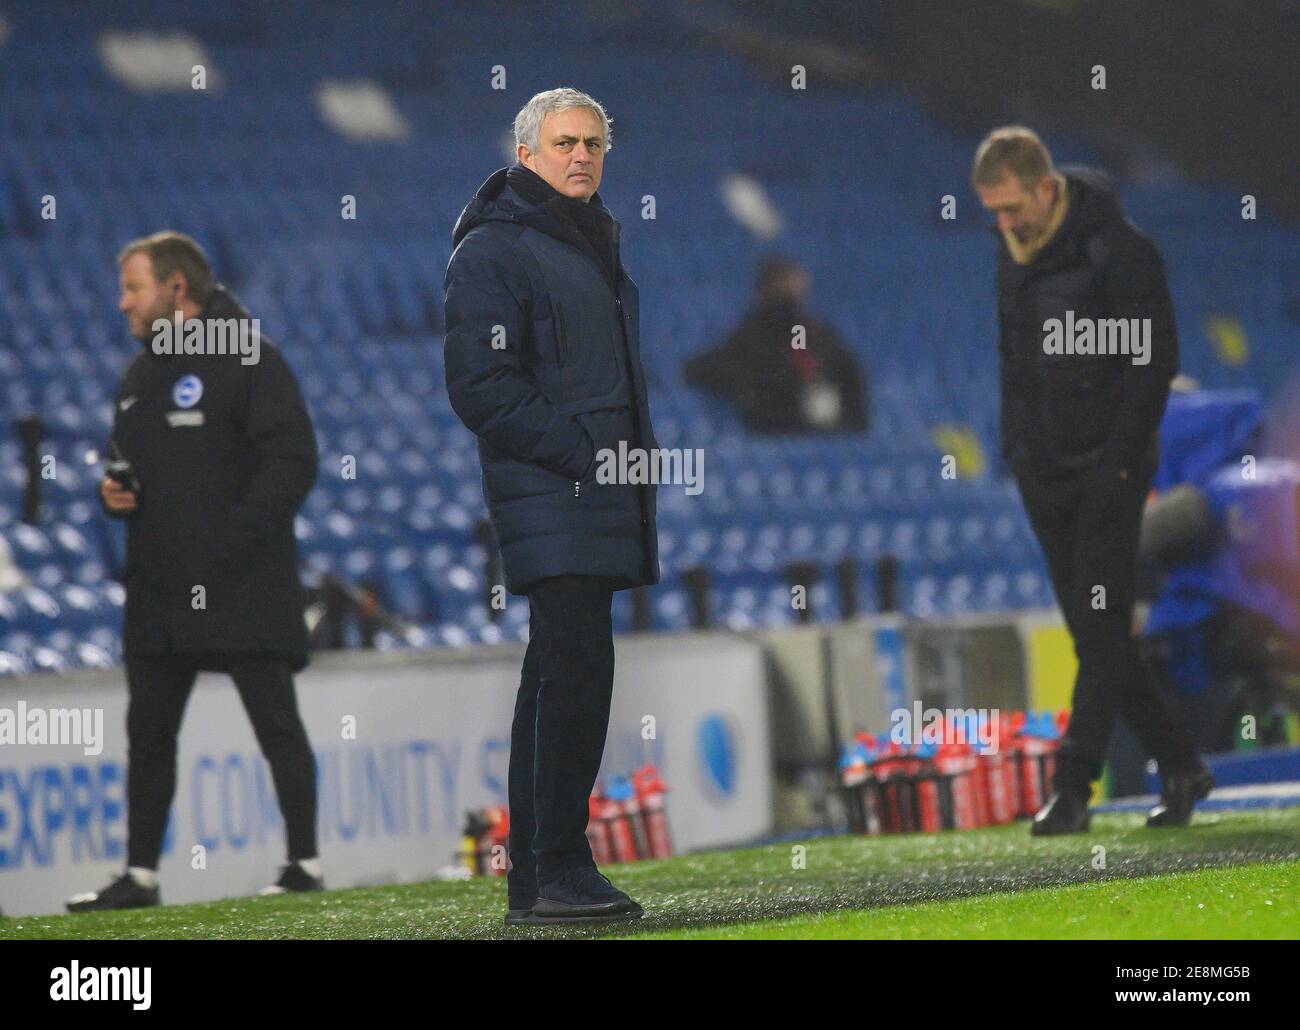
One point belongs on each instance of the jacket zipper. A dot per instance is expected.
(560, 335)
(618, 301)
(636, 400)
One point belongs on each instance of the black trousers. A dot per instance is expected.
(558, 735)
(159, 688)
(1088, 525)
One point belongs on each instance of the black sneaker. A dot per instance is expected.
(1065, 812)
(1179, 793)
(294, 878)
(520, 912)
(124, 892)
(583, 896)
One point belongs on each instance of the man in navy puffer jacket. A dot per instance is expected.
(543, 365)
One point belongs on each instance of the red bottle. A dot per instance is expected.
(926, 792)
(598, 831)
(652, 795)
(889, 770)
(1037, 765)
(1003, 795)
(622, 790)
(494, 848)
(622, 842)
(955, 764)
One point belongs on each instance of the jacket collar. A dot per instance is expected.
(558, 216)
(1024, 253)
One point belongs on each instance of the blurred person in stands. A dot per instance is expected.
(1080, 429)
(781, 379)
(214, 454)
(543, 366)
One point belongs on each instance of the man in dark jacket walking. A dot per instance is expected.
(214, 453)
(543, 365)
(1087, 345)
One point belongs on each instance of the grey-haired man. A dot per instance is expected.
(543, 365)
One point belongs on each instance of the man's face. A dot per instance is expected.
(1022, 212)
(570, 153)
(795, 285)
(144, 298)
(790, 287)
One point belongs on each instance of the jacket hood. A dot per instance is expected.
(223, 304)
(497, 201)
(1093, 199)
(1092, 202)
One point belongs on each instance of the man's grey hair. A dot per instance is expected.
(528, 122)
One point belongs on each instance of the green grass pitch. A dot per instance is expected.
(1231, 875)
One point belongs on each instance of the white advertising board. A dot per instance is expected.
(432, 737)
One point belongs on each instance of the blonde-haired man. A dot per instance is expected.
(1087, 347)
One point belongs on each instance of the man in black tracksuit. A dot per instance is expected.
(221, 454)
(1082, 399)
(543, 365)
